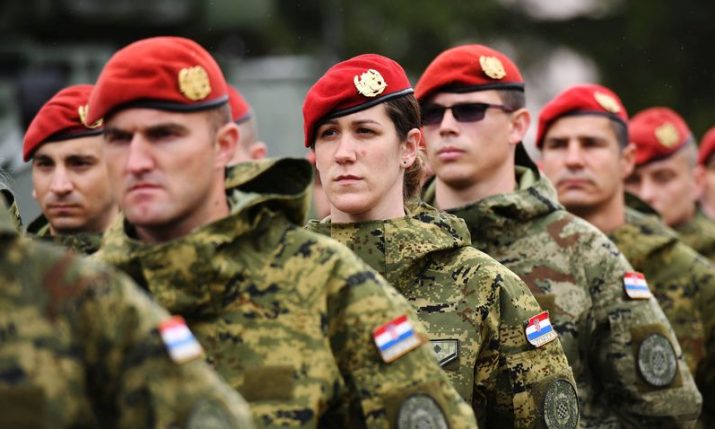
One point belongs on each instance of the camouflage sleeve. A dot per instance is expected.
(637, 357)
(523, 381)
(410, 390)
(131, 375)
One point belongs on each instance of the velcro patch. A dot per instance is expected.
(445, 350)
(421, 412)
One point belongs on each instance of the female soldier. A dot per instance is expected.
(486, 328)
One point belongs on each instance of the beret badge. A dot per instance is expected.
(82, 111)
(194, 83)
(607, 102)
(492, 67)
(370, 84)
(667, 135)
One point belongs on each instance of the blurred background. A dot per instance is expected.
(651, 52)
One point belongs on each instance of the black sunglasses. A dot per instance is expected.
(432, 114)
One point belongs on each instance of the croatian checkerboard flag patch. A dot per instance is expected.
(539, 330)
(635, 286)
(179, 341)
(396, 338)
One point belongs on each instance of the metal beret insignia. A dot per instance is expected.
(421, 412)
(607, 102)
(83, 111)
(194, 83)
(492, 67)
(370, 84)
(667, 135)
(445, 350)
(560, 405)
(656, 360)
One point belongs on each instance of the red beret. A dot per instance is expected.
(166, 73)
(707, 145)
(351, 86)
(469, 68)
(63, 117)
(657, 133)
(240, 109)
(579, 100)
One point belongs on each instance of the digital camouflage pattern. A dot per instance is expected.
(285, 315)
(11, 208)
(84, 243)
(79, 348)
(475, 311)
(576, 274)
(699, 233)
(684, 284)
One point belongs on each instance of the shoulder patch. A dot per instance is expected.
(635, 286)
(539, 330)
(656, 360)
(395, 338)
(208, 415)
(560, 406)
(421, 412)
(179, 341)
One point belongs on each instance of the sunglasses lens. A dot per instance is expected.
(469, 112)
(432, 115)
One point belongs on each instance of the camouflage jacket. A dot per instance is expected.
(475, 311)
(684, 284)
(12, 209)
(287, 316)
(84, 243)
(577, 274)
(79, 348)
(699, 233)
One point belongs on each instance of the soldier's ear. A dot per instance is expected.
(225, 144)
(518, 125)
(628, 160)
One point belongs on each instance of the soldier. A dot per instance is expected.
(248, 147)
(82, 347)
(705, 174)
(304, 330)
(69, 174)
(585, 152)
(472, 100)
(362, 122)
(664, 175)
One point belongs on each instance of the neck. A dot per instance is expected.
(393, 211)
(607, 217)
(213, 209)
(708, 210)
(687, 217)
(501, 182)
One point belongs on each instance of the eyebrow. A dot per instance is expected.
(153, 129)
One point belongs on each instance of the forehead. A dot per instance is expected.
(83, 146)
(139, 118)
(582, 126)
(678, 162)
(450, 98)
(376, 113)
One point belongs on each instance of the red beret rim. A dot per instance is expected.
(360, 107)
(72, 133)
(459, 89)
(244, 118)
(170, 106)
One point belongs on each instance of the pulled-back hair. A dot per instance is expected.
(405, 114)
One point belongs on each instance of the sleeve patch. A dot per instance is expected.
(179, 341)
(539, 331)
(396, 338)
(635, 286)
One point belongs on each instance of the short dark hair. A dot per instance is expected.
(404, 112)
(621, 131)
(219, 116)
(512, 99)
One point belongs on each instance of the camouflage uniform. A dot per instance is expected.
(474, 310)
(11, 208)
(684, 284)
(577, 274)
(285, 315)
(699, 233)
(79, 348)
(84, 243)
